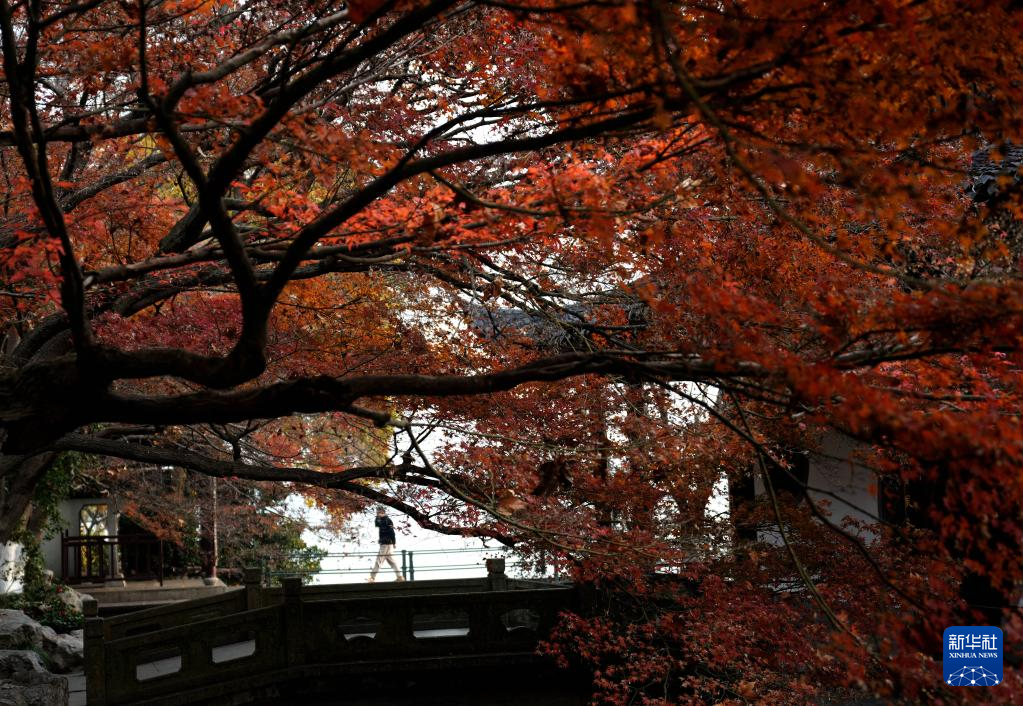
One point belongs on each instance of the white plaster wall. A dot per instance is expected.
(837, 469)
(12, 570)
(837, 476)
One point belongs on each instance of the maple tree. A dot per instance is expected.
(211, 525)
(611, 254)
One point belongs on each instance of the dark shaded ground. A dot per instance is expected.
(490, 687)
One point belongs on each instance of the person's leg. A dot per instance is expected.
(381, 554)
(390, 560)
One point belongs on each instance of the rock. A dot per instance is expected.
(19, 632)
(24, 681)
(65, 652)
(34, 689)
(15, 662)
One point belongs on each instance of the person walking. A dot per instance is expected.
(387, 542)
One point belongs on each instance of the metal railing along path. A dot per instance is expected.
(412, 561)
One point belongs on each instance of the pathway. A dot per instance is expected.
(76, 689)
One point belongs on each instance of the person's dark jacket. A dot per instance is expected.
(386, 530)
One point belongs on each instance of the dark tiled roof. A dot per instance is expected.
(985, 170)
(559, 330)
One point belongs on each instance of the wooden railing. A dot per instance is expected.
(98, 558)
(225, 645)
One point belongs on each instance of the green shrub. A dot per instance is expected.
(59, 615)
(43, 603)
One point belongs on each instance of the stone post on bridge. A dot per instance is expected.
(496, 576)
(293, 626)
(252, 577)
(95, 662)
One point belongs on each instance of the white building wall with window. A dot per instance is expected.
(72, 522)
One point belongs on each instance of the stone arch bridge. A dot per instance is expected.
(462, 641)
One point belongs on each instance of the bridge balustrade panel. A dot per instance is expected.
(411, 626)
(175, 614)
(181, 658)
(143, 658)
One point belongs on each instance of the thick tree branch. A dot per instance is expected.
(222, 468)
(340, 394)
(348, 480)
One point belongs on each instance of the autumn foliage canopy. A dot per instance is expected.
(559, 273)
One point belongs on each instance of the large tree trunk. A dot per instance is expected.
(19, 476)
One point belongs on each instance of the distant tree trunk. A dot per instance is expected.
(741, 496)
(605, 515)
(216, 531)
(208, 539)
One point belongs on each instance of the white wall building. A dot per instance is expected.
(12, 568)
(836, 474)
(64, 555)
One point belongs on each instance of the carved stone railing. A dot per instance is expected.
(174, 614)
(221, 647)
